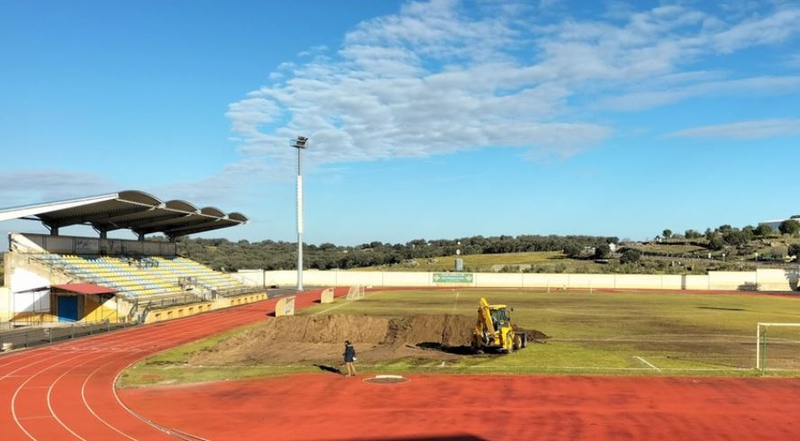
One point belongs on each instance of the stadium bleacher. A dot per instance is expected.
(53, 278)
(143, 277)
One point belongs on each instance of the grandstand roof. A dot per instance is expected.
(130, 209)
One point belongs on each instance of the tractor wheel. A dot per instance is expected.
(511, 342)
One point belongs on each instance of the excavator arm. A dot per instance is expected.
(493, 329)
(485, 329)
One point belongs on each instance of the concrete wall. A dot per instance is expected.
(777, 279)
(763, 280)
(333, 278)
(162, 314)
(24, 274)
(30, 291)
(99, 308)
(695, 282)
(5, 304)
(37, 243)
(731, 281)
(224, 302)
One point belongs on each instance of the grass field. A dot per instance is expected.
(484, 262)
(591, 333)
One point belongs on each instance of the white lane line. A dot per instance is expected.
(330, 309)
(50, 404)
(216, 320)
(647, 363)
(88, 406)
(22, 386)
(77, 355)
(11, 373)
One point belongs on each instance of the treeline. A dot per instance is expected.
(727, 236)
(222, 254)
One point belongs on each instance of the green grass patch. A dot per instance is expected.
(476, 262)
(591, 333)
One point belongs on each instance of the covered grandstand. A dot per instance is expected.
(51, 279)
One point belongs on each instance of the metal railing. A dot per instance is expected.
(231, 292)
(30, 336)
(143, 305)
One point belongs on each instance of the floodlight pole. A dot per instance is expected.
(300, 144)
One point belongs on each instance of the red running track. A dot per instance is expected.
(474, 407)
(66, 391)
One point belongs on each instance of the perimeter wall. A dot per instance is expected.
(5, 305)
(780, 280)
(38, 243)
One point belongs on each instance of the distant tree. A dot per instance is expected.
(667, 233)
(716, 242)
(630, 256)
(724, 228)
(790, 227)
(692, 234)
(573, 251)
(602, 251)
(763, 230)
(794, 250)
(271, 255)
(735, 237)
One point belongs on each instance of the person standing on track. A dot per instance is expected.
(349, 358)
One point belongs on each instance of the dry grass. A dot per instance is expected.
(590, 333)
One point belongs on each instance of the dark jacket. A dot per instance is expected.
(349, 353)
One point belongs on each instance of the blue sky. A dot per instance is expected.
(438, 119)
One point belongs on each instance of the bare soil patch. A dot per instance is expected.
(320, 339)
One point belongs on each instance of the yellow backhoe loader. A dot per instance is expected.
(493, 331)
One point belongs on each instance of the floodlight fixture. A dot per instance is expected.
(300, 142)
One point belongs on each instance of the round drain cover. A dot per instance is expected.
(386, 379)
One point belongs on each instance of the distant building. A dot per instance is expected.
(775, 224)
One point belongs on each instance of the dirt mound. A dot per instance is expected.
(446, 330)
(294, 339)
(328, 329)
(533, 335)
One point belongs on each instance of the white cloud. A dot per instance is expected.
(658, 97)
(444, 76)
(743, 130)
(770, 29)
(47, 185)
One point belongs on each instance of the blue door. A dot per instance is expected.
(67, 309)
